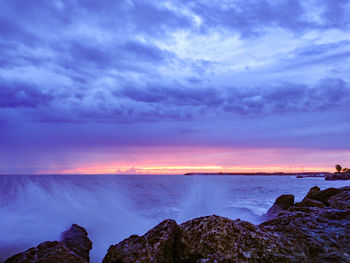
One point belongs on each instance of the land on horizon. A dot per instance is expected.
(320, 174)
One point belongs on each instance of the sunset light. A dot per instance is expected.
(174, 131)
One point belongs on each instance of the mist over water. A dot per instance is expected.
(38, 208)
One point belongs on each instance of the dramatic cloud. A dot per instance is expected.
(88, 75)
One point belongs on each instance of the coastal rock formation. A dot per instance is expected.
(74, 247)
(314, 230)
(204, 239)
(324, 195)
(76, 239)
(157, 245)
(219, 239)
(338, 176)
(309, 200)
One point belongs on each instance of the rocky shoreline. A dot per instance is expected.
(338, 176)
(317, 229)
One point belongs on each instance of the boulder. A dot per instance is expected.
(324, 195)
(312, 191)
(74, 247)
(340, 201)
(157, 245)
(307, 202)
(204, 239)
(219, 239)
(321, 235)
(76, 239)
(281, 204)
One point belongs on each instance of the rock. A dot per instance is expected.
(204, 239)
(76, 239)
(324, 195)
(307, 202)
(318, 226)
(321, 235)
(338, 176)
(157, 245)
(282, 203)
(311, 192)
(74, 247)
(219, 239)
(340, 201)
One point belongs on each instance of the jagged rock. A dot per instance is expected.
(157, 245)
(219, 239)
(76, 239)
(281, 204)
(341, 200)
(307, 202)
(324, 195)
(311, 192)
(322, 235)
(74, 247)
(318, 227)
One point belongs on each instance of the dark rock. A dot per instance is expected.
(74, 248)
(76, 239)
(324, 195)
(157, 245)
(307, 202)
(311, 192)
(282, 203)
(338, 176)
(219, 239)
(318, 227)
(321, 235)
(340, 201)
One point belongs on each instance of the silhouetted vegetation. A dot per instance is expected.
(338, 168)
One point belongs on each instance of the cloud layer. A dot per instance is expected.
(174, 70)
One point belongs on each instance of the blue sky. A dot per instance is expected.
(102, 78)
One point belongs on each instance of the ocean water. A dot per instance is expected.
(37, 208)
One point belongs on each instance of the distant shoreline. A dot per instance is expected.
(305, 174)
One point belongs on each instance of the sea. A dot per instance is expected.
(37, 208)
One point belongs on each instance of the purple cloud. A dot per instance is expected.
(86, 75)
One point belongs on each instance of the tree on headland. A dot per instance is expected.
(346, 170)
(338, 168)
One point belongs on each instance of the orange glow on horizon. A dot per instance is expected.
(189, 169)
(180, 160)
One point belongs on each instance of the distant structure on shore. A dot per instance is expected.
(340, 174)
(304, 174)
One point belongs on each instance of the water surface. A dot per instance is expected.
(37, 208)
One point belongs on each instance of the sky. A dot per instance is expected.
(174, 86)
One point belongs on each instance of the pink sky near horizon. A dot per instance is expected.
(179, 160)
